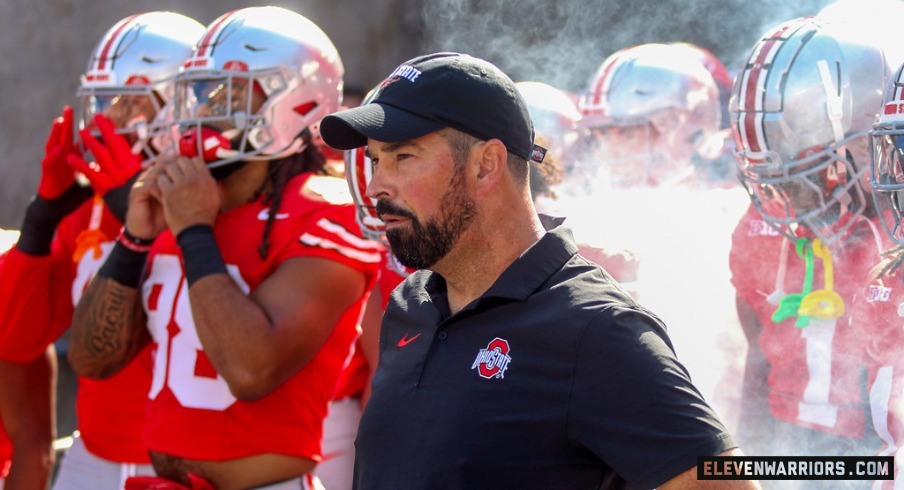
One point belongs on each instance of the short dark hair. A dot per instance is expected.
(460, 144)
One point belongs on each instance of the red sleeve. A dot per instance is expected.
(878, 317)
(332, 233)
(620, 264)
(390, 277)
(35, 304)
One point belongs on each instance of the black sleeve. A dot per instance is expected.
(43, 215)
(117, 198)
(633, 403)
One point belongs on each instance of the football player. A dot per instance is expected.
(69, 228)
(801, 108)
(879, 306)
(255, 271)
(652, 113)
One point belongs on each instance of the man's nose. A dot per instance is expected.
(378, 186)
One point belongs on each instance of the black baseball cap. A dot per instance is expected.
(434, 91)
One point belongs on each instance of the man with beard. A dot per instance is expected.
(508, 360)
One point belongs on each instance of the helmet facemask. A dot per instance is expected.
(887, 177)
(229, 116)
(129, 79)
(136, 112)
(653, 109)
(821, 190)
(652, 150)
(801, 107)
(358, 172)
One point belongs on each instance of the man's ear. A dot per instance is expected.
(492, 161)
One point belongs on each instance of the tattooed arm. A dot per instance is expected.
(108, 329)
(109, 325)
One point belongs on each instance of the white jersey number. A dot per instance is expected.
(178, 362)
(816, 407)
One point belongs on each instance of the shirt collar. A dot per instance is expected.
(527, 273)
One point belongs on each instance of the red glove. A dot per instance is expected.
(56, 175)
(114, 161)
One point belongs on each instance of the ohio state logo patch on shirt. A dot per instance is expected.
(494, 360)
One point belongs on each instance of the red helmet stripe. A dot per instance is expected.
(751, 106)
(213, 33)
(602, 81)
(754, 77)
(113, 41)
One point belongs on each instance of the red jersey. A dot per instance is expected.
(35, 303)
(814, 369)
(6, 446)
(357, 374)
(37, 298)
(390, 277)
(192, 413)
(879, 319)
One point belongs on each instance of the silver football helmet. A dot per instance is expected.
(801, 106)
(556, 117)
(259, 78)
(650, 109)
(358, 172)
(887, 162)
(130, 77)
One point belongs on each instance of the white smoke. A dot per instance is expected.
(562, 43)
(680, 235)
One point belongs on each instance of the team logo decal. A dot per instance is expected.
(494, 360)
(759, 227)
(878, 293)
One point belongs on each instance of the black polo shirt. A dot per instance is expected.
(554, 378)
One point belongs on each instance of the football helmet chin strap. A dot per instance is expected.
(215, 146)
(835, 110)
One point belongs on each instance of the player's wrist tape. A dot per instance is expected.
(133, 243)
(43, 215)
(200, 253)
(123, 265)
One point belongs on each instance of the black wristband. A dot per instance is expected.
(117, 198)
(133, 243)
(200, 253)
(43, 215)
(123, 266)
